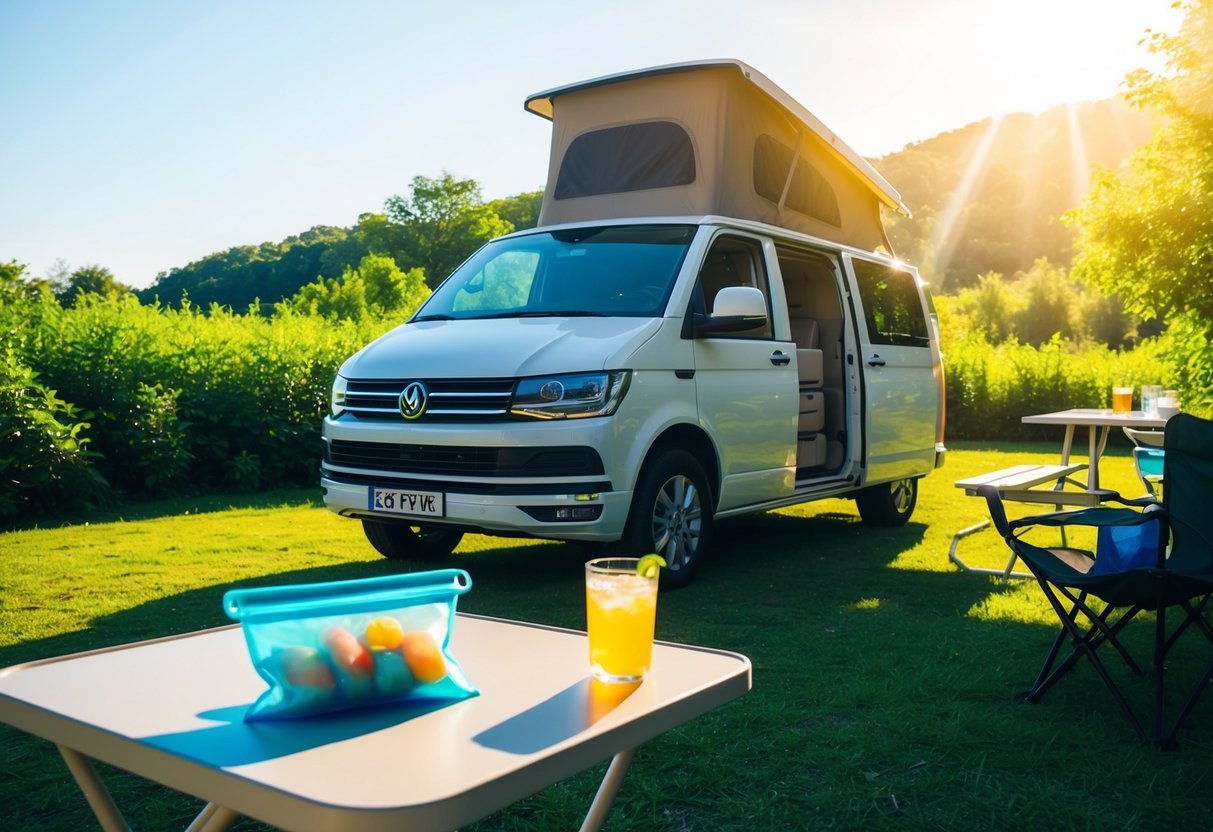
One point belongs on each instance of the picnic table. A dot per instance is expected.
(1046, 484)
(171, 710)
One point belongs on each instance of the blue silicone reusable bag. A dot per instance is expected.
(344, 644)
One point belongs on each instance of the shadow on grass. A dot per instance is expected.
(859, 668)
(171, 507)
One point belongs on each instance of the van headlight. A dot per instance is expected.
(337, 398)
(572, 396)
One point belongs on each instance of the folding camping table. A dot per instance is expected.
(171, 709)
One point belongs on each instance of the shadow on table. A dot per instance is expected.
(560, 717)
(234, 742)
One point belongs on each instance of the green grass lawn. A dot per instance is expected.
(886, 682)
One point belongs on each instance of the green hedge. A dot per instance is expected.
(990, 388)
(175, 399)
(145, 400)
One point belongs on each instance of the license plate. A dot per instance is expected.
(420, 503)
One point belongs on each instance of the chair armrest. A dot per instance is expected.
(1145, 501)
(997, 513)
(1094, 517)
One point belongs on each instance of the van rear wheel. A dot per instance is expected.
(671, 515)
(888, 504)
(405, 541)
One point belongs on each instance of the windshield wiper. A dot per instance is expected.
(524, 313)
(515, 313)
(562, 313)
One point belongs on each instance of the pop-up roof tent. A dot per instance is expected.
(707, 137)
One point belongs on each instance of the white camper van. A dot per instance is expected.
(707, 321)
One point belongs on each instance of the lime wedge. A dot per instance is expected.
(649, 565)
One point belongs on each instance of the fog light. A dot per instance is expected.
(576, 512)
(564, 514)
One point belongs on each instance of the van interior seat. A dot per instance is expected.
(807, 335)
(806, 332)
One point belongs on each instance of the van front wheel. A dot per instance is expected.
(402, 541)
(671, 515)
(888, 504)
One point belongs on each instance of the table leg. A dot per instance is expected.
(1066, 444)
(212, 818)
(1007, 572)
(1093, 449)
(95, 793)
(607, 790)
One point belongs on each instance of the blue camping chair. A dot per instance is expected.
(1150, 556)
(1148, 457)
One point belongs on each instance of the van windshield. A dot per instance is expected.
(617, 271)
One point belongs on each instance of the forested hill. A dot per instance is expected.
(987, 197)
(990, 196)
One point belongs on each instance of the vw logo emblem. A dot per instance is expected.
(413, 400)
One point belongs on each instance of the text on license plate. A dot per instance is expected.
(424, 503)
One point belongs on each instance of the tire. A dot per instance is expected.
(671, 515)
(888, 504)
(404, 541)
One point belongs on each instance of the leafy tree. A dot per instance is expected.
(1109, 322)
(441, 223)
(520, 211)
(344, 297)
(376, 288)
(1147, 230)
(1050, 305)
(270, 271)
(10, 273)
(388, 289)
(16, 285)
(991, 307)
(90, 280)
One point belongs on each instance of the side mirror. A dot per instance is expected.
(736, 309)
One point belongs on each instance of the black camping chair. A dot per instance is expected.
(1131, 570)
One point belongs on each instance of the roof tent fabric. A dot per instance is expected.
(710, 137)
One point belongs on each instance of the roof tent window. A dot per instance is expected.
(809, 193)
(633, 157)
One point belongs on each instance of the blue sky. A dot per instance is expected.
(143, 135)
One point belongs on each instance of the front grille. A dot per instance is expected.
(464, 461)
(449, 399)
(450, 487)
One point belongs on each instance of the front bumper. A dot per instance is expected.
(496, 513)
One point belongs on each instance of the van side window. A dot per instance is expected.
(732, 261)
(891, 305)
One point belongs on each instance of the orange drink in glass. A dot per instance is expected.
(621, 613)
(1122, 400)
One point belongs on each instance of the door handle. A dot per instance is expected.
(780, 359)
(876, 361)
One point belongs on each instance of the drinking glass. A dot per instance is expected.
(621, 613)
(1122, 401)
(1150, 394)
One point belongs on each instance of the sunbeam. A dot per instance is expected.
(1080, 168)
(943, 238)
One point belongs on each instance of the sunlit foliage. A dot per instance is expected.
(1147, 230)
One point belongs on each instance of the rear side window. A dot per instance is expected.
(891, 304)
(632, 157)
